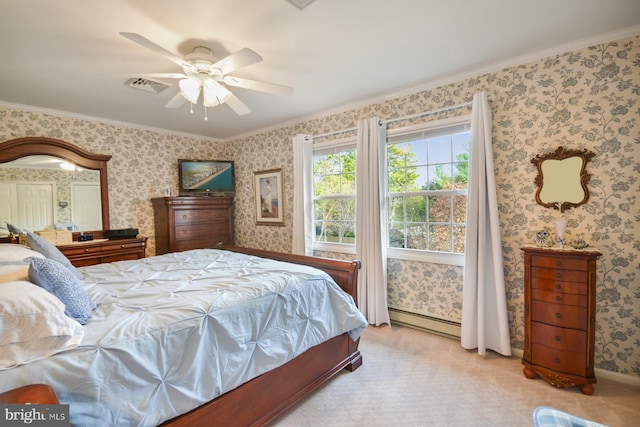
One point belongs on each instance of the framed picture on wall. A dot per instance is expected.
(267, 186)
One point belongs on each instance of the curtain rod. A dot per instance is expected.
(426, 113)
(383, 122)
(334, 133)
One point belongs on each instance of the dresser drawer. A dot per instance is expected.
(95, 252)
(560, 360)
(202, 242)
(560, 263)
(128, 256)
(559, 338)
(559, 297)
(567, 316)
(194, 216)
(560, 275)
(200, 231)
(561, 287)
(116, 246)
(81, 250)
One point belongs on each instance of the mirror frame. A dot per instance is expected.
(21, 147)
(561, 154)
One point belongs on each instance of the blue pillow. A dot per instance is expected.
(49, 250)
(57, 280)
(13, 229)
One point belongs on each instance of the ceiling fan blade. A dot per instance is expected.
(236, 105)
(163, 75)
(137, 38)
(176, 101)
(257, 85)
(237, 60)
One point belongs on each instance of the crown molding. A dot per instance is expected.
(464, 75)
(76, 116)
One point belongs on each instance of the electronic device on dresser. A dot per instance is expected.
(123, 233)
(560, 315)
(184, 223)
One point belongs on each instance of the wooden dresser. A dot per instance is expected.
(184, 223)
(560, 315)
(104, 250)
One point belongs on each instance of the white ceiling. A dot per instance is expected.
(68, 55)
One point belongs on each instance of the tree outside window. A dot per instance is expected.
(428, 182)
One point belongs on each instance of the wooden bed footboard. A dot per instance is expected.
(262, 399)
(345, 273)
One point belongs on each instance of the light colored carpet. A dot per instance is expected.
(413, 378)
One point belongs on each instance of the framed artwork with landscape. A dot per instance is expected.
(267, 186)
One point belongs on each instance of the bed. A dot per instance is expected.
(230, 336)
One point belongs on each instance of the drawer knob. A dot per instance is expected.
(558, 315)
(557, 360)
(86, 250)
(558, 263)
(184, 216)
(558, 275)
(122, 246)
(558, 298)
(558, 287)
(557, 338)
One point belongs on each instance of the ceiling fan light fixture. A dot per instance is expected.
(214, 93)
(190, 89)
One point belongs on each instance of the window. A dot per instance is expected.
(427, 181)
(334, 193)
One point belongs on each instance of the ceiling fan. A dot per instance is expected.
(206, 74)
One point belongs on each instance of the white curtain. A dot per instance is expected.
(371, 248)
(303, 230)
(485, 323)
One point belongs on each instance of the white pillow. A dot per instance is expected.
(12, 253)
(33, 325)
(12, 262)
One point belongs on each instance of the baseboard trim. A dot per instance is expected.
(425, 323)
(452, 330)
(627, 379)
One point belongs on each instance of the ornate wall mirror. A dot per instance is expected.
(562, 178)
(90, 171)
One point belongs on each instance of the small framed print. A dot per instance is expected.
(267, 186)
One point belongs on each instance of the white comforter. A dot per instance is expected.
(174, 331)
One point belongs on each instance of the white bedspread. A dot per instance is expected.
(174, 331)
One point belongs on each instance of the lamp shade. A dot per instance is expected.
(190, 89)
(214, 93)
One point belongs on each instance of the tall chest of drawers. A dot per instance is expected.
(560, 316)
(183, 223)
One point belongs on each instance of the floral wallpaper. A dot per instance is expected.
(588, 98)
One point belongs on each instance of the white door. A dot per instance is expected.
(86, 205)
(8, 204)
(35, 206)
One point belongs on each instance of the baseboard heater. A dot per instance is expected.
(426, 323)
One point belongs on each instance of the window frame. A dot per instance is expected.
(332, 147)
(423, 255)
